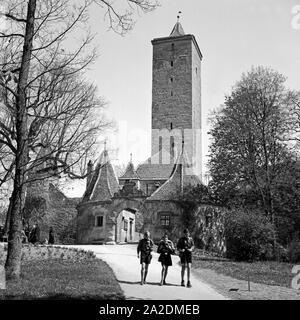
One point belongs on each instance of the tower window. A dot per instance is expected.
(173, 46)
(171, 125)
(172, 63)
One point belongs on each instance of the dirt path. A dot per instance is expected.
(125, 264)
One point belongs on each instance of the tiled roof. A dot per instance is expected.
(177, 30)
(179, 178)
(152, 169)
(171, 186)
(103, 183)
(129, 173)
(148, 171)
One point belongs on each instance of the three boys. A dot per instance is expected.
(185, 246)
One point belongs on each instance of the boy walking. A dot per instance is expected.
(144, 250)
(185, 246)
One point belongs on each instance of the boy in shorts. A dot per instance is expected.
(185, 246)
(144, 250)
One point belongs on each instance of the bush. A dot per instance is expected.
(249, 236)
(293, 251)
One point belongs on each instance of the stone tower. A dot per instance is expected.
(176, 98)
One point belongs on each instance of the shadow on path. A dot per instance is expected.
(149, 283)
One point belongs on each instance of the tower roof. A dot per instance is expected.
(103, 183)
(177, 30)
(130, 173)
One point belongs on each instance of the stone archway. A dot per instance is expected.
(129, 218)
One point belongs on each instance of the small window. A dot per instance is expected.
(172, 46)
(171, 93)
(125, 225)
(171, 125)
(172, 63)
(165, 220)
(171, 79)
(99, 221)
(196, 70)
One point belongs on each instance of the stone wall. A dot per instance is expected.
(172, 83)
(87, 231)
(153, 220)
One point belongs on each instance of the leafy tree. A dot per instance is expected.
(249, 235)
(249, 155)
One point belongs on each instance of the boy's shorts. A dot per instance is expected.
(186, 257)
(146, 258)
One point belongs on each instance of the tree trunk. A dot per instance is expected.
(7, 220)
(13, 261)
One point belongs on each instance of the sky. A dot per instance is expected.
(233, 36)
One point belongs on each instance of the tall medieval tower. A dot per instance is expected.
(176, 97)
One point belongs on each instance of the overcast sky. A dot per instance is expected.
(233, 35)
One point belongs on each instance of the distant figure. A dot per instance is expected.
(165, 248)
(185, 246)
(144, 250)
(34, 236)
(51, 236)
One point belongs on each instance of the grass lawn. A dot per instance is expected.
(64, 279)
(266, 272)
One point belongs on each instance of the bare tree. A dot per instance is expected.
(47, 107)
